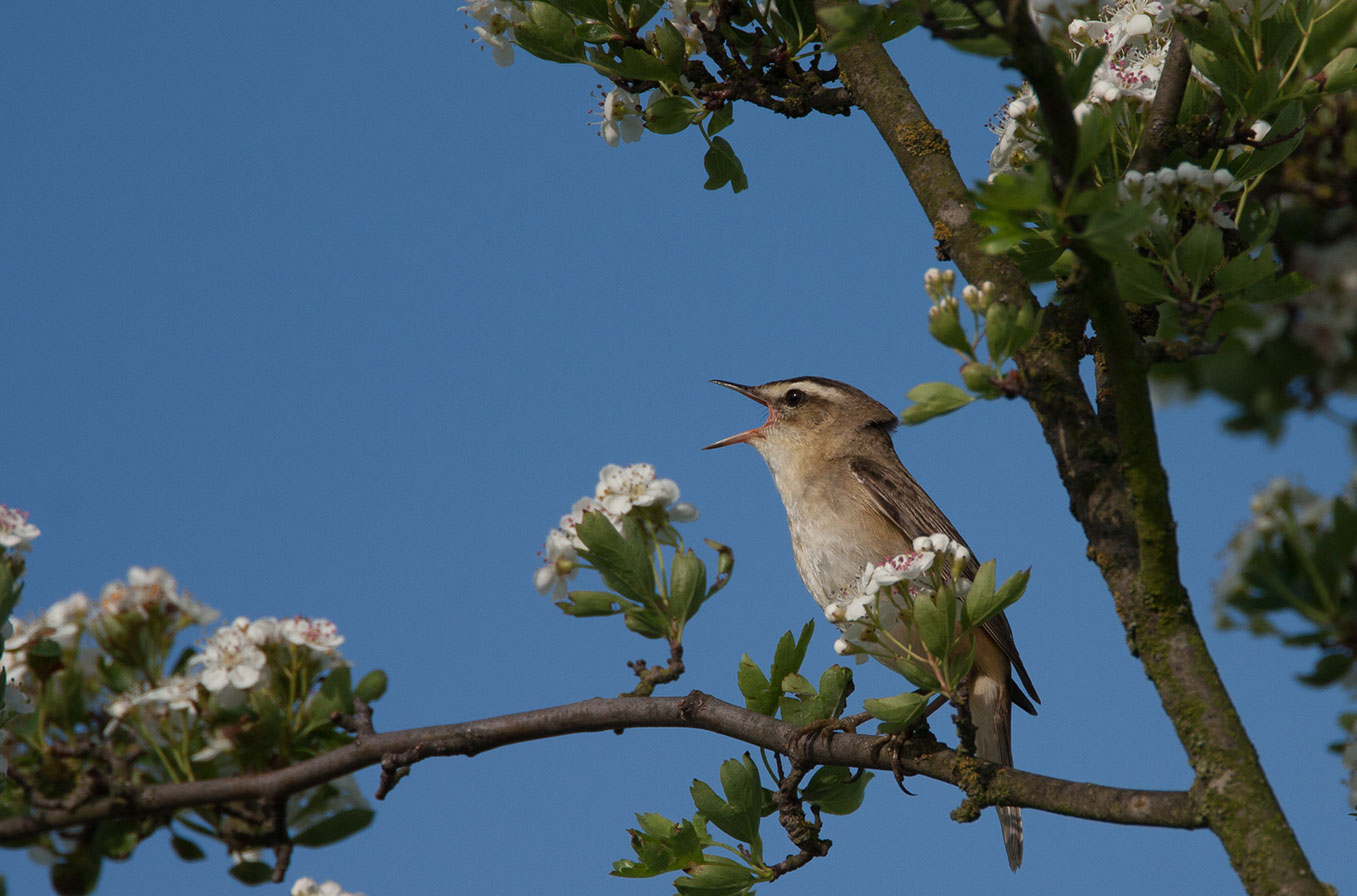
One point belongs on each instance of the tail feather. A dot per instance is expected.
(991, 711)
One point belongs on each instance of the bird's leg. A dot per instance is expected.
(825, 728)
(913, 737)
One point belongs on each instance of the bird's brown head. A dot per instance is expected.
(810, 415)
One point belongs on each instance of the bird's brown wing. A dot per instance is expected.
(903, 501)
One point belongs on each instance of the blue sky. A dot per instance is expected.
(316, 307)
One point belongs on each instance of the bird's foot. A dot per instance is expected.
(893, 746)
(825, 728)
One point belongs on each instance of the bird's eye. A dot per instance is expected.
(794, 397)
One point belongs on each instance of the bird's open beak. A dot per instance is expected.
(748, 392)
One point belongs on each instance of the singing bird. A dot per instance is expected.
(850, 502)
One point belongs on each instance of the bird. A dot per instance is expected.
(850, 502)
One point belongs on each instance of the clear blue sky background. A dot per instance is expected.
(313, 305)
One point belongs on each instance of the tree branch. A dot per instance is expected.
(1007, 787)
(1113, 473)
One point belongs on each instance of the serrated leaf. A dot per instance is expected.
(1199, 252)
(623, 562)
(979, 607)
(933, 400)
(1139, 281)
(759, 695)
(716, 876)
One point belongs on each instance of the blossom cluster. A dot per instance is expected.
(239, 656)
(16, 532)
(1135, 35)
(306, 886)
(1169, 192)
(871, 613)
(622, 113)
(620, 491)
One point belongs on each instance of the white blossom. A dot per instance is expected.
(622, 120)
(561, 565)
(230, 661)
(306, 886)
(15, 530)
(321, 635)
(576, 516)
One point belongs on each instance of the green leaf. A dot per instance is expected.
(944, 324)
(834, 790)
(716, 876)
(623, 562)
(1095, 137)
(1289, 120)
(371, 686)
(933, 400)
(344, 823)
(592, 603)
(639, 65)
(671, 115)
(252, 873)
(999, 320)
(931, 623)
(1330, 668)
(915, 674)
(789, 655)
(1140, 281)
(186, 849)
(739, 813)
(980, 606)
(723, 167)
(1200, 252)
(901, 710)
(759, 695)
(645, 622)
(720, 119)
(673, 48)
(687, 585)
(549, 34)
(1243, 271)
(807, 705)
(595, 32)
(848, 24)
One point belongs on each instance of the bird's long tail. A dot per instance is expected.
(991, 711)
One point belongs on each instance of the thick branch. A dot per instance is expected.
(1113, 473)
(1008, 787)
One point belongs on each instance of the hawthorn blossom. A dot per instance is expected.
(497, 18)
(622, 117)
(561, 565)
(231, 662)
(620, 489)
(306, 886)
(576, 516)
(178, 693)
(16, 531)
(153, 590)
(321, 635)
